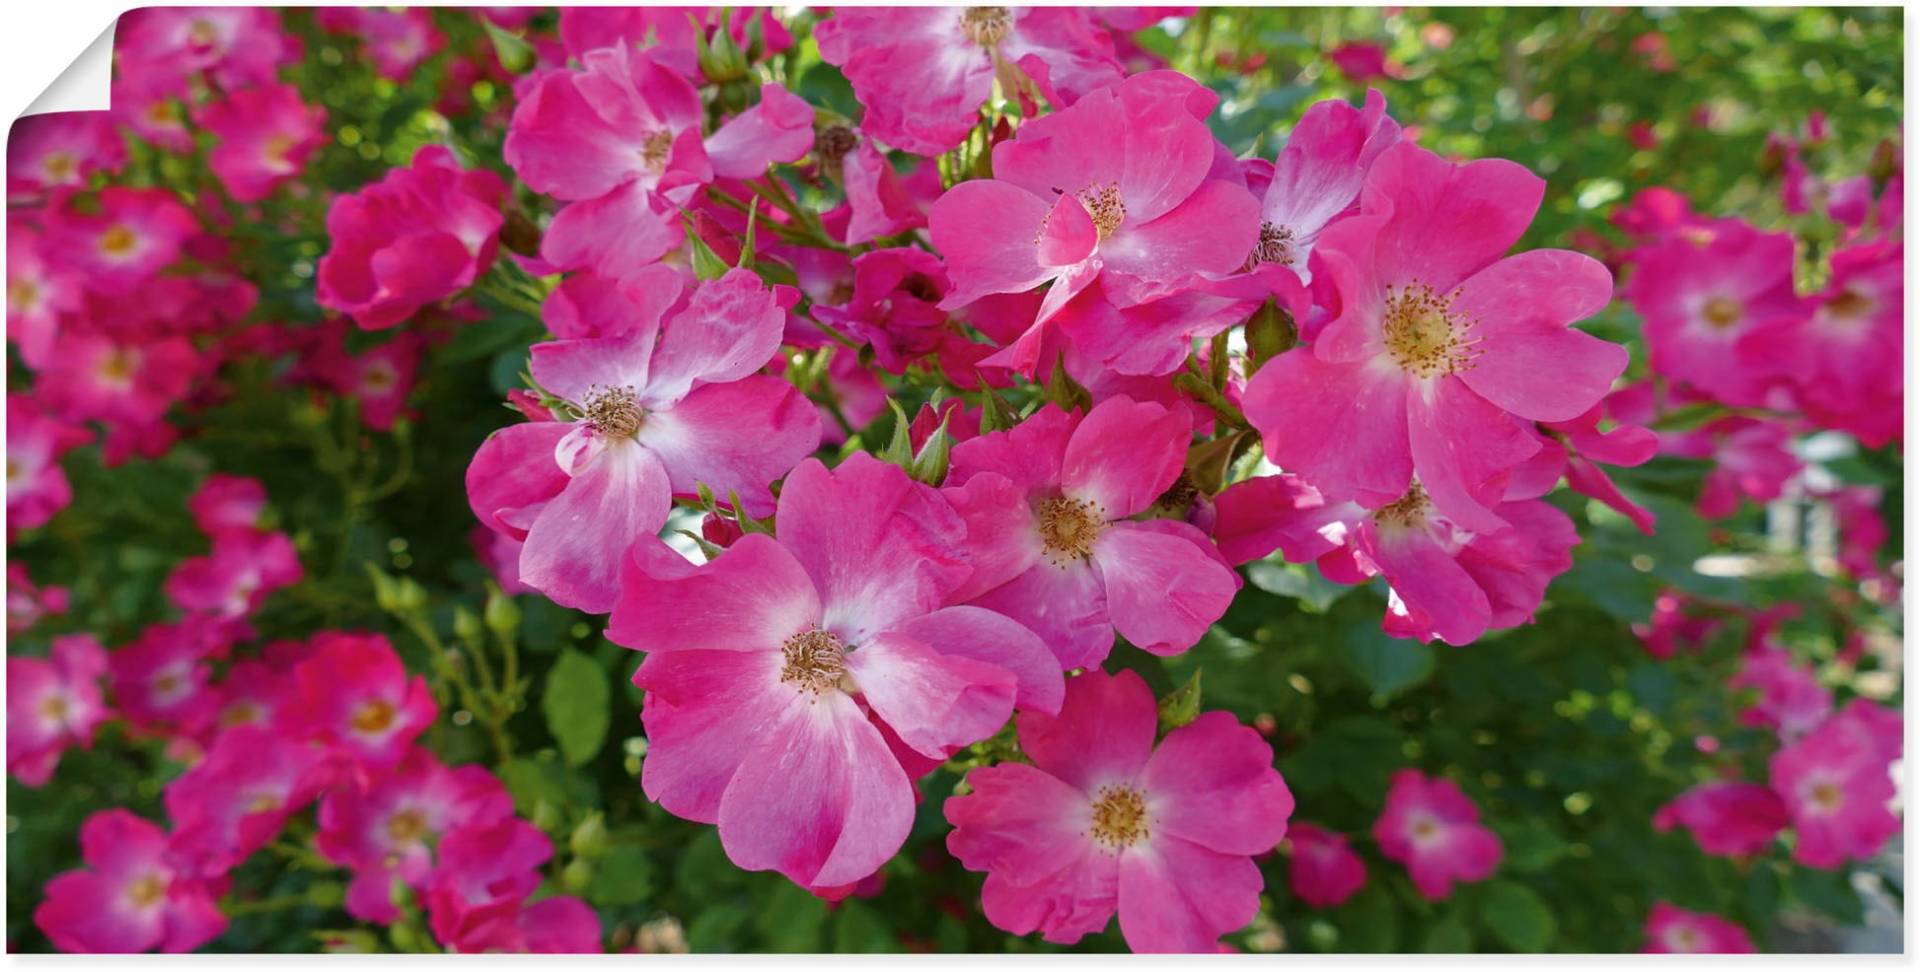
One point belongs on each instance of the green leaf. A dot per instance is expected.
(1302, 582)
(1448, 936)
(1388, 665)
(717, 928)
(516, 55)
(1182, 705)
(857, 928)
(1517, 916)
(576, 705)
(1653, 686)
(1530, 844)
(707, 264)
(1829, 892)
(753, 220)
(1371, 921)
(624, 877)
(791, 919)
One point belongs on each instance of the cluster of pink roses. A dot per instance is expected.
(332, 721)
(878, 617)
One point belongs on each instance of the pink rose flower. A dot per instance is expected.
(1432, 828)
(132, 897)
(228, 504)
(61, 149)
(1713, 312)
(1104, 821)
(119, 244)
(1447, 344)
(238, 798)
(662, 410)
(923, 73)
(1791, 699)
(1318, 175)
(37, 487)
(1325, 871)
(1114, 189)
(828, 632)
(1049, 506)
(385, 829)
(1727, 818)
(420, 235)
(28, 602)
(353, 693)
(1837, 782)
(52, 704)
(1679, 931)
(235, 579)
(265, 136)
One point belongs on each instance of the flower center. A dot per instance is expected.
(1179, 496)
(240, 714)
(167, 686)
(1826, 797)
(613, 412)
(406, 827)
(1423, 335)
(1687, 940)
(373, 716)
(1104, 207)
(59, 166)
(1425, 830)
(1119, 816)
(163, 112)
(1721, 312)
(264, 802)
(1408, 512)
(277, 147)
(1849, 305)
(118, 366)
(54, 708)
(815, 660)
(379, 378)
(654, 149)
(834, 142)
(1068, 528)
(1275, 246)
(117, 241)
(203, 33)
(147, 891)
(986, 26)
(22, 295)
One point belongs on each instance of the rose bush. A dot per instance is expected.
(970, 479)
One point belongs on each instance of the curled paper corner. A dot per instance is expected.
(86, 84)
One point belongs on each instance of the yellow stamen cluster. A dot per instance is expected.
(613, 412)
(1423, 334)
(1275, 246)
(986, 26)
(1721, 312)
(1068, 528)
(1408, 511)
(118, 241)
(1119, 817)
(1104, 207)
(147, 891)
(655, 148)
(816, 660)
(374, 715)
(1849, 305)
(406, 827)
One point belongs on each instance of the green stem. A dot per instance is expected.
(1211, 397)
